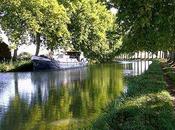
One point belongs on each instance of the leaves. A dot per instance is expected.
(89, 27)
(48, 18)
(85, 25)
(148, 24)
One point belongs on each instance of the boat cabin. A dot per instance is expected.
(77, 55)
(74, 55)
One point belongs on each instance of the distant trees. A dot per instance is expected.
(147, 25)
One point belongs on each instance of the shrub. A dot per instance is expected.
(16, 66)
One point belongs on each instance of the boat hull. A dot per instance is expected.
(47, 64)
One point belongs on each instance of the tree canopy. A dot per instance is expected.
(92, 28)
(85, 25)
(47, 18)
(147, 24)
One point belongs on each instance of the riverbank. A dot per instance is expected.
(17, 66)
(146, 105)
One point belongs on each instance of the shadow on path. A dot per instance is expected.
(170, 82)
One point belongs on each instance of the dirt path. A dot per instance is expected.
(171, 86)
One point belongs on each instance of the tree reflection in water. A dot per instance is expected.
(62, 99)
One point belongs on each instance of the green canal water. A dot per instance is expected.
(61, 100)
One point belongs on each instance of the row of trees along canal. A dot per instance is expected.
(144, 55)
(89, 25)
(86, 25)
(146, 25)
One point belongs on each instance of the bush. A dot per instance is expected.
(16, 66)
(22, 66)
(6, 66)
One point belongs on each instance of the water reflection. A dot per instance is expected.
(135, 67)
(57, 99)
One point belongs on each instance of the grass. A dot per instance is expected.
(21, 65)
(147, 105)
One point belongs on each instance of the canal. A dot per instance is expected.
(61, 100)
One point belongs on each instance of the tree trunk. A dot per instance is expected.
(137, 55)
(38, 41)
(141, 54)
(156, 55)
(165, 54)
(152, 55)
(15, 54)
(173, 58)
(160, 54)
(145, 54)
(170, 56)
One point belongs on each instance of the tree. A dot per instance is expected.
(91, 27)
(86, 25)
(43, 20)
(148, 25)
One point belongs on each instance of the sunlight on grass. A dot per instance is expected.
(23, 65)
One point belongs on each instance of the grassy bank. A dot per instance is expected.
(146, 106)
(17, 66)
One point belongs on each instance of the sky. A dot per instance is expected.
(113, 10)
(24, 48)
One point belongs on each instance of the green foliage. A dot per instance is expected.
(147, 24)
(5, 67)
(91, 28)
(146, 105)
(85, 25)
(18, 66)
(30, 16)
